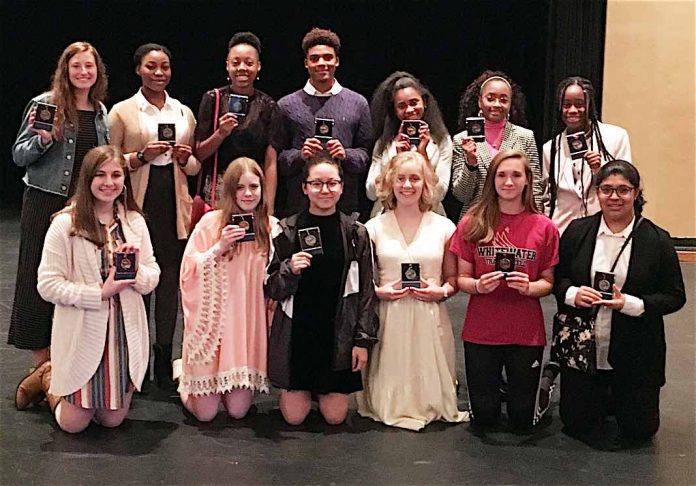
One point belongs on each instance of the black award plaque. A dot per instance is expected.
(44, 116)
(323, 128)
(246, 222)
(577, 143)
(238, 105)
(410, 129)
(476, 128)
(505, 262)
(410, 275)
(604, 284)
(125, 266)
(310, 240)
(166, 132)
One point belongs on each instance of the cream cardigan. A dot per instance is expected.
(126, 133)
(69, 277)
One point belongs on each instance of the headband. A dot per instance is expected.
(496, 78)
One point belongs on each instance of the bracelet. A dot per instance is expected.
(446, 296)
(476, 281)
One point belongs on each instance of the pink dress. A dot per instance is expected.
(225, 326)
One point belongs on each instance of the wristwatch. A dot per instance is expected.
(141, 157)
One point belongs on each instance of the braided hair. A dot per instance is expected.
(559, 127)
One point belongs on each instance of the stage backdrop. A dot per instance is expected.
(446, 44)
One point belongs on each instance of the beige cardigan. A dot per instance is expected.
(125, 132)
(69, 277)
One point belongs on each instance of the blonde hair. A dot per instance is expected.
(484, 216)
(385, 181)
(230, 180)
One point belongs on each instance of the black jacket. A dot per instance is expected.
(637, 348)
(356, 322)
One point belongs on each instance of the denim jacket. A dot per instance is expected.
(49, 167)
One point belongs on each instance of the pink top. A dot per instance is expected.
(504, 316)
(225, 325)
(494, 135)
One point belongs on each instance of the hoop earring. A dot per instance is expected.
(480, 113)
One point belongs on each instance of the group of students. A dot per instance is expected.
(315, 303)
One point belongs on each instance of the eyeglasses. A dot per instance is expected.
(316, 185)
(622, 191)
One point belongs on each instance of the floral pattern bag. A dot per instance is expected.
(573, 344)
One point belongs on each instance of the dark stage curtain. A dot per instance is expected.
(575, 43)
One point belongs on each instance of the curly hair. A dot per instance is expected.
(385, 181)
(469, 101)
(384, 119)
(245, 38)
(321, 37)
(63, 92)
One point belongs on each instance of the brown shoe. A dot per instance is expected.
(31, 389)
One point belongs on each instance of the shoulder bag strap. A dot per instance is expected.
(625, 243)
(215, 158)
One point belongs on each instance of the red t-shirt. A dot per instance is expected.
(504, 316)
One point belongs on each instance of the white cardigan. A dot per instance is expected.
(69, 277)
(440, 157)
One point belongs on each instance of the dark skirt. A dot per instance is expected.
(31, 319)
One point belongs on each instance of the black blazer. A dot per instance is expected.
(637, 347)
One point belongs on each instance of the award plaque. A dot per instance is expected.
(505, 262)
(238, 105)
(577, 143)
(604, 283)
(410, 275)
(476, 128)
(125, 266)
(246, 222)
(166, 132)
(323, 128)
(44, 116)
(410, 129)
(310, 240)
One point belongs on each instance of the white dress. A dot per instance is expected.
(410, 379)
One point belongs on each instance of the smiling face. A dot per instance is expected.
(248, 192)
(495, 100)
(243, 66)
(155, 71)
(615, 206)
(108, 181)
(82, 70)
(408, 104)
(573, 109)
(321, 62)
(323, 200)
(408, 183)
(510, 179)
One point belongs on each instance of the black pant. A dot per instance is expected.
(584, 398)
(160, 209)
(484, 363)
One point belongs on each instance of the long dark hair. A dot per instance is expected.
(469, 101)
(630, 173)
(559, 126)
(385, 123)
